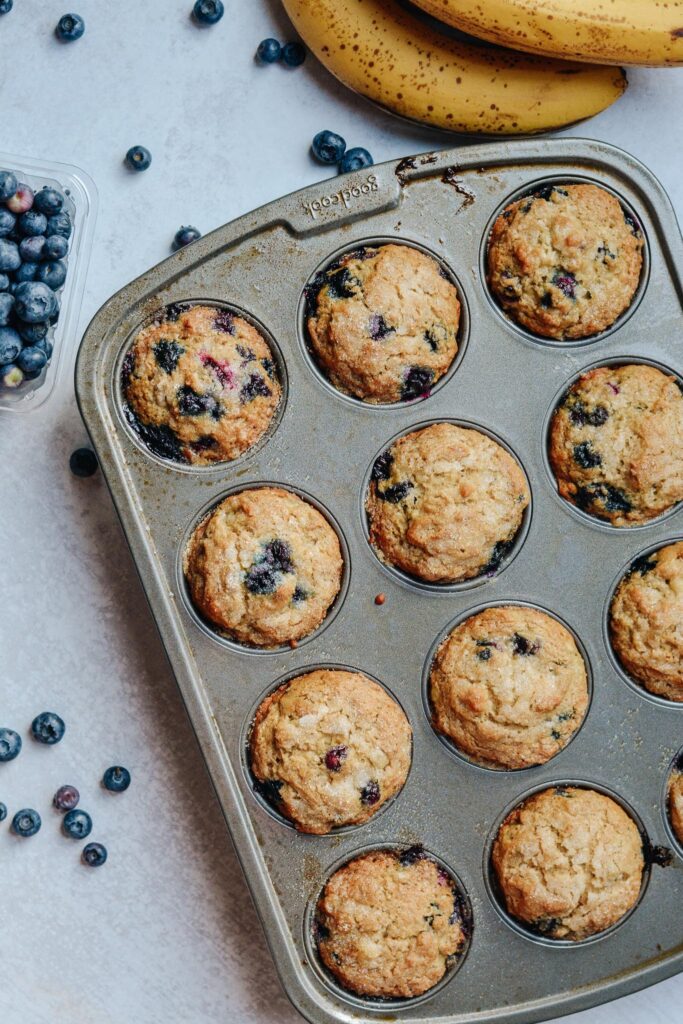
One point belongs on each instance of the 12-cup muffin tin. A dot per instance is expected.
(505, 382)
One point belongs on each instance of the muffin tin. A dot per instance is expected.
(505, 383)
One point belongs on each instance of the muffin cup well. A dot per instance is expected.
(675, 766)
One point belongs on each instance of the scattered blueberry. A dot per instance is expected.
(21, 200)
(9, 255)
(48, 728)
(31, 361)
(335, 757)
(355, 160)
(208, 12)
(11, 376)
(293, 54)
(7, 222)
(83, 462)
(138, 158)
(269, 51)
(94, 855)
(10, 345)
(8, 184)
(32, 223)
(59, 224)
(184, 236)
(6, 303)
(369, 794)
(328, 147)
(66, 798)
(77, 824)
(35, 302)
(32, 248)
(70, 27)
(10, 744)
(56, 247)
(6, 6)
(116, 779)
(48, 201)
(53, 274)
(3, 807)
(26, 823)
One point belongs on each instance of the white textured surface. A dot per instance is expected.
(164, 933)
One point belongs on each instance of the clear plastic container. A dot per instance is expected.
(81, 204)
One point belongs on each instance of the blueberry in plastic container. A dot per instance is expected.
(32, 248)
(6, 303)
(56, 247)
(32, 223)
(9, 255)
(4, 283)
(33, 333)
(48, 201)
(21, 200)
(7, 222)
(11, 376)
(8, 184)
(59, 224)
(70, 27)
(31, 361)
(52, 274)
(35, 301)
(26, 272)
(10, 345)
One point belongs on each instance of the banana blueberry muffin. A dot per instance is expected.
(676, 801)
(383, 323)
(615, 443)
(569, 862)
(390, 924)
(565, 262)
(200, 384)
(264, 567)
(646, 621)
(445, 503)
(329, 748)
(509, 687)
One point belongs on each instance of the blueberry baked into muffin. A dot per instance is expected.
(445, 503)
(676, 800)
(264, 567)
(508, 686)
(200, 384)
(569, 862)
(646, 621)
(329, 748)
(390, 924)
(383, 323)
(566, 261)
(615, 443)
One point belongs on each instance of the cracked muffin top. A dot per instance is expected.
(264, 566)
(445, 503)
(569, 862)
(329, 748)
(676, 800)
(201, 385)
(615, 443)
(646, 621)
(390, 924)
(383, 323)
(566, 261)
(508, 686)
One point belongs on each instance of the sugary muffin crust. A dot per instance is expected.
(566, 261)
(508, 686)
(569, 862)
(329, 748)
(646, 621)
(615, 443)
(383, 323)
(264, 566)
(201, 385)
(445, 503)
(676, 801)
(389, 925)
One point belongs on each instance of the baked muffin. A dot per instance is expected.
(389, 925)
(383, 323)
(445, 503)
(329, 748)
(200, 384)
(676, 801)
(569, 862)
(565, 262)
(264, 567)
(646, 621)
(615, 443)
(508, 686)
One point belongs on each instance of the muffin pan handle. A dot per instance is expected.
(345, 199)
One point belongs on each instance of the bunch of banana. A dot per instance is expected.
(403, 63)
(645, 32)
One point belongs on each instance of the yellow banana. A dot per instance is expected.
(645, 32)
(398, 60)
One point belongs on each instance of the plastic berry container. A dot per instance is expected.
(81, 205)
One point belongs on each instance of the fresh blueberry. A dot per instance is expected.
(116, 779)
(6, 303)
(7, 222)
(3, 807)
(22, 200)
(59, 224)
(77, 824)
(269, 51)
(11, 376)
(138, 158)
(355, 160)
(48, 728)
(10, 345)
(31, 361)
(10, 744)
(46, 346)
(32, 223)
(6, 6)
(293, 54)
(4, 283)
(335, 757)
(70, 27)
(26, 823)
(369, 794)
(56, 247)
(35, 302)
(328, 147)
(94, 855)
(66, 798)
(83, 462)
(33, 333)
(8, 184)
(9, 255)
(208, 12)
(48, 201)
(32, 249)
(184, 236)
(26, 272)
(52, 274)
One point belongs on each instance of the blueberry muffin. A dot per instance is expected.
(569, 862)
(676, 801)
(508, 686)
(383, 323)
(389, 925)
(329, 748)
(264, 567)
(445, 503)
(646, 622)
(565, 262)
(615, 444)
(200, 385)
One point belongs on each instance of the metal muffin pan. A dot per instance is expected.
(505, 382)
